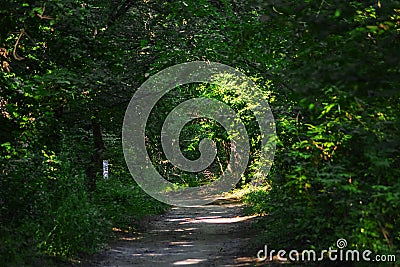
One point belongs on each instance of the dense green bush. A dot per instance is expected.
(46, 208)
(55, 123)
(335, 172)
(329, 70)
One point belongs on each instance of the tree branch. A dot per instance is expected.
(16, 45)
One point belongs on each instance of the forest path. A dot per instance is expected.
(217, 234)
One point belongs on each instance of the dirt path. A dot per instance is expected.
(214, 235)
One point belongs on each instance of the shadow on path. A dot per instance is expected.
(213, 235)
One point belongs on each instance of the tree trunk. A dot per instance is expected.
(97, 156)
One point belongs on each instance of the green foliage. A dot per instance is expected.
(54, 215)
(335, 172)
(57, 59)
(125, 203)
(68, 69)
(77, 227)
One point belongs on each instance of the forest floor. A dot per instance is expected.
(218, 234)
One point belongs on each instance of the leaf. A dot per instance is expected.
(326, 110)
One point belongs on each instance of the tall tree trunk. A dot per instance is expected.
(97, 156)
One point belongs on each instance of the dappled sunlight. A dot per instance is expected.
(242, 261)
(216, 219)
(216, 216)
(182, 244)
(211, 235)
(218, 212)
(127, 234)
(133, 238)
(188, 262)
(176, 230)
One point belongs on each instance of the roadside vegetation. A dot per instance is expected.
(331, 73)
